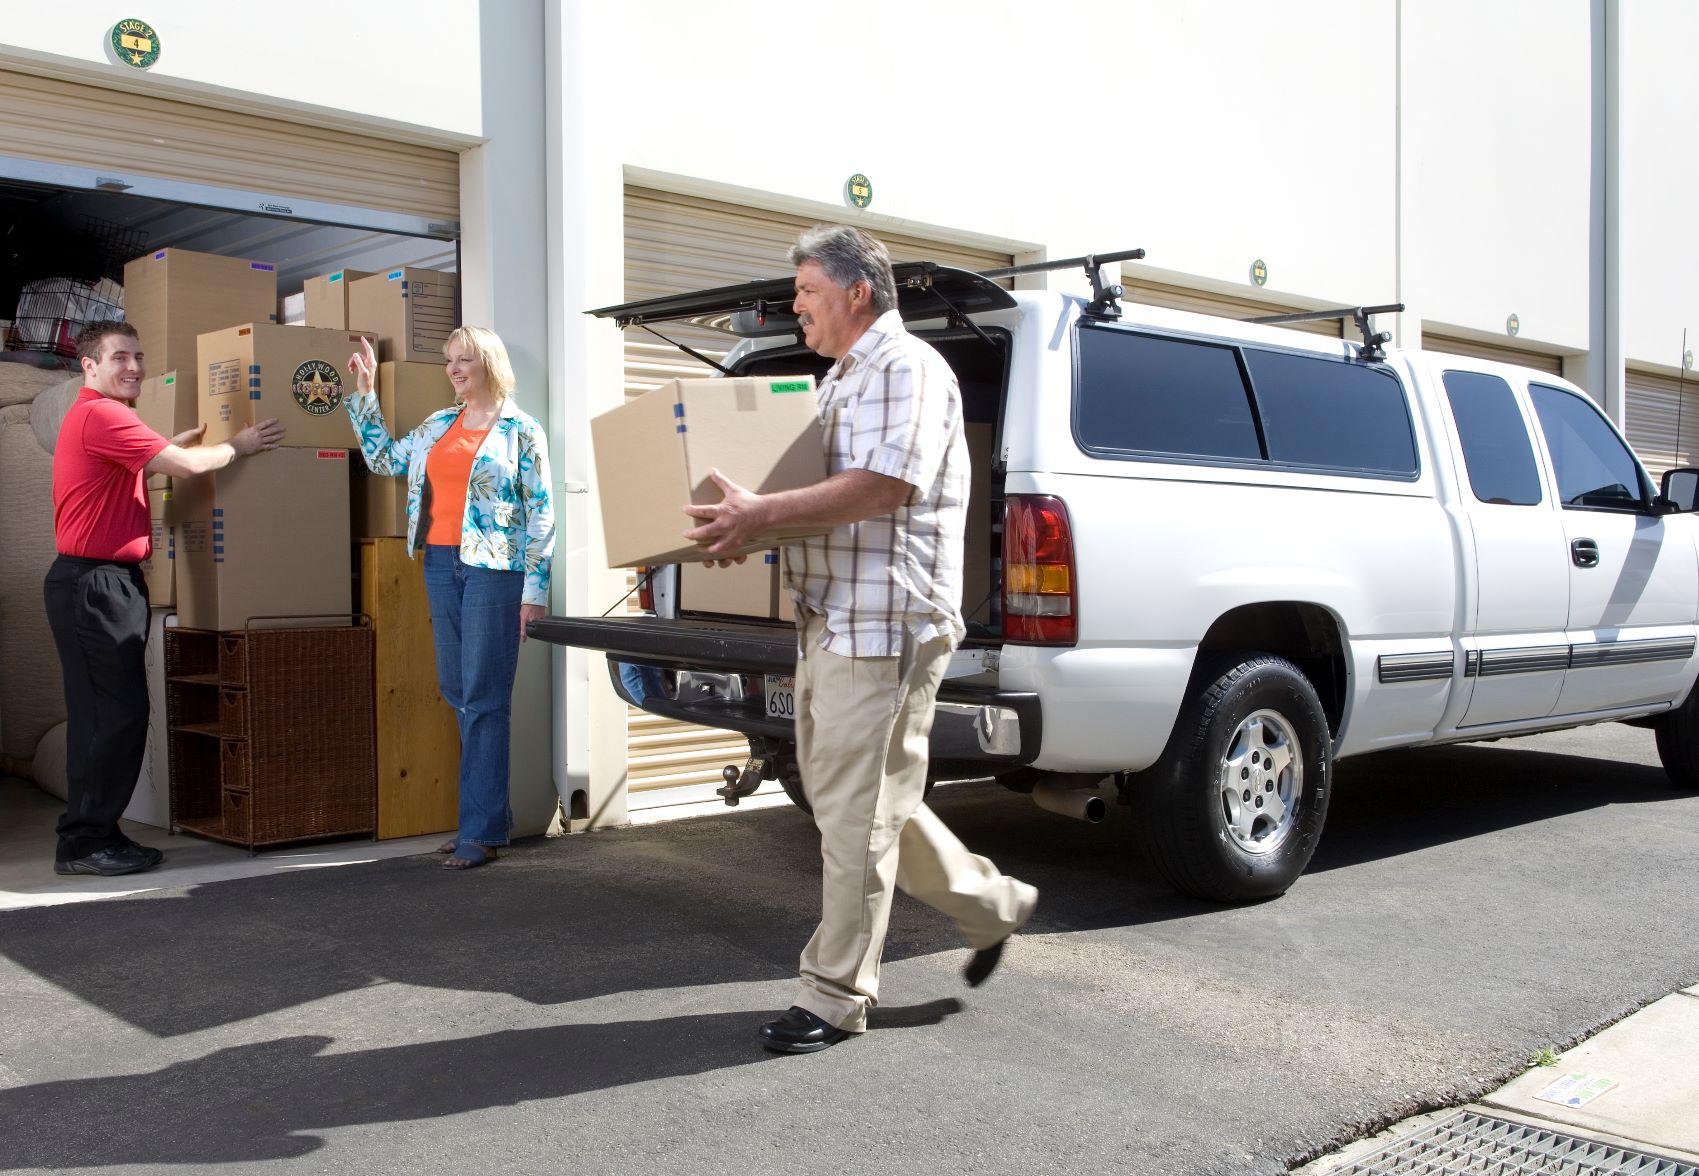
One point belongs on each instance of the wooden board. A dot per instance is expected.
(418, 737)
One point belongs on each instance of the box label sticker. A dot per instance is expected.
(263, 266)
(225, 378)
(788, 386)
(317, 387)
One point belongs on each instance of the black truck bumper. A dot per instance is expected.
(713, 673)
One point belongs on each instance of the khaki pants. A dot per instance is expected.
(862, 729)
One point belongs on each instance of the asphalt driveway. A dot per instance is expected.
(588, 1004)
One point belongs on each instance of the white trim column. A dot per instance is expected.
(586, 268)
(504, 286)
(1606, 376)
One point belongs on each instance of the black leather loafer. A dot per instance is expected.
(799, 1031)
(983, 963)
(113, 860)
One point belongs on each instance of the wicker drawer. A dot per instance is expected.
(233, 711)
(233, 658)
(234, 771)
(238, 815)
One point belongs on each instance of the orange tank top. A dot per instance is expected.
(448, 469)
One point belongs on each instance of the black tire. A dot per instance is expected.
(790, 779)
(1678, 743)
(1236, 847)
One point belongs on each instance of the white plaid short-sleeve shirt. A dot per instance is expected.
(891, 405)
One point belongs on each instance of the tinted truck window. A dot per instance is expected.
(1145, 394)
(1496, 448)
(1594, 468)
(1327, 413)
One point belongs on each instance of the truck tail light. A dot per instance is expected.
(646, 589)
(1039, 593)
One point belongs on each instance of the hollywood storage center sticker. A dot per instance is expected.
(1576, 1090)
(317, 387)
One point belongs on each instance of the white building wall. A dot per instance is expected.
(409, 62)
(1660, 180)
(1496, 113)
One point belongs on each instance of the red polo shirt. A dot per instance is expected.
(99, 490)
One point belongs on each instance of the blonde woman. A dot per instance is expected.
(478, 505)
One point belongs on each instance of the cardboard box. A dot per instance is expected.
(653, 454)
(158, 567)
(407, 394)
(326, 298)
(174, 296)
(165, 408)
(292, 310)
(380, 503)
(297, 374)
(748, 589)
(266, 536)
(412, 312)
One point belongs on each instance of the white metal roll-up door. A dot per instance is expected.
(1221, 305)
(677, 243)
(67, 123)
(1661, 419)
(1540, 361)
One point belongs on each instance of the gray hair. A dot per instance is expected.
(848, 255)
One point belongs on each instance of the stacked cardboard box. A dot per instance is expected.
(159, 566)
(268, 537)
(326, 298)
(173, 296)
(407, 394)
(297, 374)
(412, 312)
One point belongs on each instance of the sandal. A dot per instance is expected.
(447, 846)
(469, 856)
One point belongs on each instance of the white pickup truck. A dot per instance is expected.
(1207, 558)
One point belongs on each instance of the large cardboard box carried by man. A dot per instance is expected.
(411, 311)
(407, 394)
(654, 454)
(297, 374)
(267, 536)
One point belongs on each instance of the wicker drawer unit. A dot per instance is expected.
(272, 733)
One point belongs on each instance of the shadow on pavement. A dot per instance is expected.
(265, 1101)
(711, 901)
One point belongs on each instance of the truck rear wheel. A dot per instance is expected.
(1678, 743)
(1235, 806)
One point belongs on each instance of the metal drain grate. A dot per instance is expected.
(1472, 1144)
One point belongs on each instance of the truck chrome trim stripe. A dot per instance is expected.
(1622, 653)
(1414, 667)
(1544, 658)
(1529, 660)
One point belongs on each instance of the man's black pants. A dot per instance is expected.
(99, 614)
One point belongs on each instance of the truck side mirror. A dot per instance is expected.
(1680, 490)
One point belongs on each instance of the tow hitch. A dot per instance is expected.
(744, 782)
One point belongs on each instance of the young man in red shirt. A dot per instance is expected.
(96, 599)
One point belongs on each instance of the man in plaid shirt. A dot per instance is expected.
(878, 612)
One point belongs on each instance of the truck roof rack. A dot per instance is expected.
(1372, 350)
(1105, 299)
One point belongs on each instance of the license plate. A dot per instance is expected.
(781, 697)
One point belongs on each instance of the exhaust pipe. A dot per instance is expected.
(1065, 794)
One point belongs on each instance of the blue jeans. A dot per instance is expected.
(475, 620)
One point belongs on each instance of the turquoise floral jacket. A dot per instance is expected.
(509, 521)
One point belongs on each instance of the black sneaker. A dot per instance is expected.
(113, 860)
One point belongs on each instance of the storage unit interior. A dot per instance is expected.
(86, 236)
